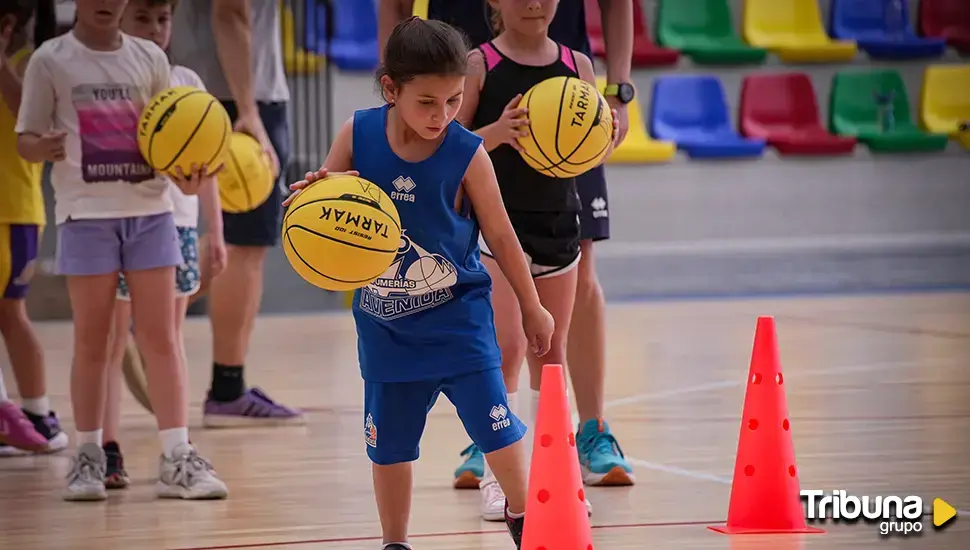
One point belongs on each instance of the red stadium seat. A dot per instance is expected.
(646, 53)
(783, 109)
(947, 19)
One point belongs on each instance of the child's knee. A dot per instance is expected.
(12, 314)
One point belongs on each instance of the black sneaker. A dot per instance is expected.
(48, 426)
(396, 547)
(115, 476)
(515, 525)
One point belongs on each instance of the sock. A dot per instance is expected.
(227, 382)
(513, 401)
(3, 391)
(520, 515)
(93, 437)
(41, 406)
(172, 438)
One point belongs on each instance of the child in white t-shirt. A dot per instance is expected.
(83, 93)
(152, 20)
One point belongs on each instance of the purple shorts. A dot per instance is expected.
(18, 255)
(114, 245)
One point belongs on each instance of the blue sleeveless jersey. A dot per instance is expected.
(430, 314)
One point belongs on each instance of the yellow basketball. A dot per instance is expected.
(247, 179)
(570, 127)
(182, 126)
(341, 233)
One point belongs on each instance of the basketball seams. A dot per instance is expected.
(226, 127)
(192, 134)
(240, 175)
(155, 130)
(390, 220)
(296, 253)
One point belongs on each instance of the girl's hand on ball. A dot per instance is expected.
(616, 128)
(190, 183)
(512, 122)
(312, 177)
(538, 325)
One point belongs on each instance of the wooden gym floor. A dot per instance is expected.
(877, 388)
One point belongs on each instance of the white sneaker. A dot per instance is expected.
(85, 481)
(188, 476)
(493, 501)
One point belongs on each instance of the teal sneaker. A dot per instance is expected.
(470, 473)
(600, 456)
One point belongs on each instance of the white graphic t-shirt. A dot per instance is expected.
(185, 207)
(97, 97)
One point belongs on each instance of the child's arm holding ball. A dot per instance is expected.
(585, 69)
(482, 189)
(339, 161)
(506, 130)
(212, 214)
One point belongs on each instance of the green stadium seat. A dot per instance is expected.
(704, 31)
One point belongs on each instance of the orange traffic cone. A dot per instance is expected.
(555, 513)
(765, 495)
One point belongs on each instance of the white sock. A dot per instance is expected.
(3, 391)
(41, 406)
(172, 438)
(534, 412)
(93, 437)
(404, 544)
(513, 400)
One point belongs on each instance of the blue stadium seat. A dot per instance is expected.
(354, 44)
(882, 29)
(692, 111)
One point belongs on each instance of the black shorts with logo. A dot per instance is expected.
(550, 241)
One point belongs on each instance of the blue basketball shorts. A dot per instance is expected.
(395, 414)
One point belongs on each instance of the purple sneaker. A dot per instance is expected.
(16, 430)
(254, 408)
(49, 427)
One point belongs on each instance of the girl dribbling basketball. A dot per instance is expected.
(543, 210)
(82, 97)
(418, 338)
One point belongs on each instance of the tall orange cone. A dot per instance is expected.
(555, 513)
(765, 494)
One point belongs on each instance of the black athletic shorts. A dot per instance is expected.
(262, 226)
(594, 219)
(550, 241)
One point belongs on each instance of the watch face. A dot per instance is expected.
(625, 92)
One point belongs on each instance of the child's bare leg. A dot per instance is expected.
(392, 488)
(26, 354)
(120, 328)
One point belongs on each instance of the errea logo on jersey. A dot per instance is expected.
(501, 417)
(404, 187)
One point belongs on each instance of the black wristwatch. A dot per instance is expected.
(624, 92)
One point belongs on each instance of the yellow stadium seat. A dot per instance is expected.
(296, 60)
(793, 31)
(945, 101)
(420, 9)
(638, 147)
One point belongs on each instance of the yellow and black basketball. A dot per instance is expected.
(341, 233)
(570, 127)
(247, 179)
(182, 126)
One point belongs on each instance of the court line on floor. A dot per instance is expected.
(335, 540)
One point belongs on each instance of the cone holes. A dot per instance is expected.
(792, 471)
(543, 496)
(582, 496)
(749, 470)
(545, 440)
(572, 439)
(756, 378)
(779, 379)
(786, 425)
(753, 424)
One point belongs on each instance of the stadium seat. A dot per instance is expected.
(792, 30)
(854, 111)
(645, 52)
(692, 111)
(638, 148)
(354, 44)
(703, 30)
(882, 29)
(783, 110)
(945, 101)
(946, 19)
(296, 60)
